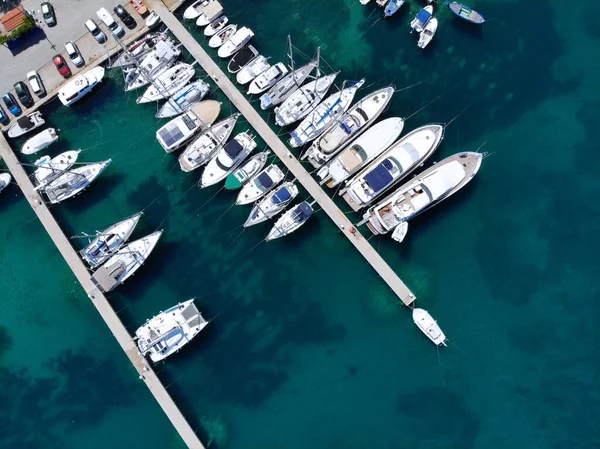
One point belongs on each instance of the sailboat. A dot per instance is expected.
(183, 99)
(154, 63)
(227, 159)
(429, 326)
(291, 221)
(237, 178)
(272, 204)
(51, 168)
(260, 184)
(168, 83)
(72, 182)
(137, 50)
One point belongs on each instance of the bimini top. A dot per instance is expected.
(233, 148)
(25, 122)
(281, 196)
(302, 212)
(423, 15)
(265, 180)
(378, 178)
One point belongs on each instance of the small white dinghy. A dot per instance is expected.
(5, 180)
(427, 34)
(168, 83)
(152, 20)
(26, 124)
(260, 184)
(40, 141)
(267, 79)
(272, 204)
(183, 99)
(51, 168)
(219, 39)
(236, 42)
(254, 68)
(429, 326)
(291, 221)
(216, 26)
(236, 179)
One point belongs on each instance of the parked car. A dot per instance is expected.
(110, 23)
(95, 31)
(48, 14)
(23, 94)
(125, 17)
(4, 120)
(36, 83)
(11, 104)
(74, 54)
(61, 66)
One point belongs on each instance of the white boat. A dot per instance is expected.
(422, 192)
(168, 83)
(216, 26)
(427, 34)
(302, 101)
(222, 36)
(51, 168)
(260, 184)
(351, 125)
(421, 19)
(325, 114)
(393, 165)
(240, 176)
(195, 9)
(204, 147)
(227, 159)
(153, 64)
(290, 221)
(252, 69)
(209, 14)
(429, 326)
(109, 241)
(5, 180)
(40, 141)
(183, 99)
(169, 331)
(125, 262)
(152, 20)
(267, 79)
(80, 86)
(287, 85)
(26, 124)
(179, 130)
(361, 151)
(137, 50)
(236, 42)
(241, 59)
(74, 181)
(364, 2)
(272, 204)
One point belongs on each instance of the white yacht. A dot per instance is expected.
(272, 204)
(216, 26)
(301, 102)
(108, 241)
(5, 180)
(252, 69)
(74, 181)
(290, 221)
(260, 184)
(242, 58)
(267, 79)
(154, 63)
(227, 159)
(324, 115)
(168, 83)
(353, 123)
(80, 86)
(235, 42)
(179, 130)
(193, 11)
(240, 176)
(393, 165)
(125, 262)
(222, 36)
(26, 124)
(361, 151)
(204, 147)
(51, 168)
(152, 20)
(210, 13)
(169, 331)
(287, 85)
(427, 34)
(185, 97)
(422, 192)
(429, 326)
(40, 141)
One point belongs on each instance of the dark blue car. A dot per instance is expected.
(4, 117)
(11, 104)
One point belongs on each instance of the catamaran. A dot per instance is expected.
(361, 151)
(236, 42)
(351, 125)
(419, 194)
(237, 178)
(168, 83)
(300, 103)
(169, 331)
(267, 79)
(291, 221)
(427, 34)
(260, 184)
(429, 326)
(80, 86)
(287, 85)
(216, 26)
(73, 182)
(227, 159)
(201, 150)
(51, 168)
(26, 124)
(325, 114)
(109, 241)
(252, 69)
(154, 63)
(183, 99)
(222, 36)
(393, 165)
(40, 141)
(272, 204)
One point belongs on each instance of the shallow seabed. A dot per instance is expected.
(309, 348)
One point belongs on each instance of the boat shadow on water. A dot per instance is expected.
(95, 193)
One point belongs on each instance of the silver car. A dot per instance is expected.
(74, 54)
(95, 31)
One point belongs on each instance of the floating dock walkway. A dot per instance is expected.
(294, 166)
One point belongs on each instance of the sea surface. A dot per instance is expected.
(308, 348)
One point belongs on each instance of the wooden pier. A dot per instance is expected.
(294, 166)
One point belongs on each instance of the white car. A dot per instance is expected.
(108, 20)
(36, 83)
(74, 54)
(95, 31)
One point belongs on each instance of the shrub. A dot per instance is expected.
(27, 25)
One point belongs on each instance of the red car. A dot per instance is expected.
(61, 66)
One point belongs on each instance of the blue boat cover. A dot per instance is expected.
(378, 178)
(233, 148)
(302, 213)
(281, 196)
(265, 180)
(423, 16)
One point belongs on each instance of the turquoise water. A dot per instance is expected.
(309, 348)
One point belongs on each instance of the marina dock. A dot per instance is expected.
(101, 303)
(278, 147)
